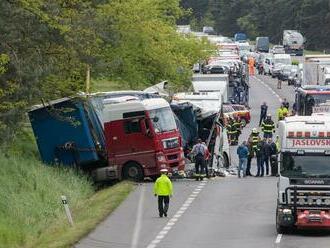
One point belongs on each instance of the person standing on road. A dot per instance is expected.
(282, 112)
(259, 155)
(279, 81)
(268, 127)
(232, 132)
(163, 189)
(238, 126)
(199, 151)
(251, 154)
(263, 112)
(266, 152)
(243, 153)
(286, 104)
(273, 157)
(251, 66)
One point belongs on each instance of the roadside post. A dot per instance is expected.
(67, 209)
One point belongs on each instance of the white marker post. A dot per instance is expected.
(67, 209)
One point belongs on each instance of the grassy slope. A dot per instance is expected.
(31, 213)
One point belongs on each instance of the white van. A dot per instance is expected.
(278, 61)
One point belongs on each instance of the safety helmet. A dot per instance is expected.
(254, 130)
(164, 170)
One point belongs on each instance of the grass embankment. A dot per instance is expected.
(31, 212)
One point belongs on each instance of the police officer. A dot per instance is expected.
(268, 127)
(163, 188)
(199, 151)
(282, 112)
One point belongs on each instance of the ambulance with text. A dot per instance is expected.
(304, 168)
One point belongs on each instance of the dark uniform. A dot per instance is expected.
(238, 126)
(232, 133)
(199, 150)
(268, 127)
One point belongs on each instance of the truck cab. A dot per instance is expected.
(303, 199)
(142, 137)
(311, 99)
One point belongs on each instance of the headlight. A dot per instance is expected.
(287, 211)
(318, 201)
(161, 158)
(310, 201)
(327, 201)
(301, 201)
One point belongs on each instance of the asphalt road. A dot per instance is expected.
(220, 212)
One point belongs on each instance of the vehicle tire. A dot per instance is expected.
(243, 122)
(225, 161)
(282, 229)
(133, 171)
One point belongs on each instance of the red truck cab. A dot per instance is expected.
(141, 138)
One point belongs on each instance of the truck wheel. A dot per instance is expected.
(133, 171)
(225, 161)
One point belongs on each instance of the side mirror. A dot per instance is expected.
(145, 131)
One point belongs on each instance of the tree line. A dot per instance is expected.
(264, 18)
(47, 47)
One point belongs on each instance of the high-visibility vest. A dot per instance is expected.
(267, 126)
(163, 186)
(255, 140)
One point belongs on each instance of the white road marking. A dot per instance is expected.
(278, 239)
(137, 227)
(269, 88)
(162, 234)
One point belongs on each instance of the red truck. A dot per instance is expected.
(141, 137)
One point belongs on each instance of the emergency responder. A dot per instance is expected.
(251, 62)
(279, 81)
(282, 112)
(259, 155)
(232, 132)
(254, 138)
(268, 127)
(199, 151)
(273, 158)
(251, 154)
(238, 125)
(263, 112)
(163, 188)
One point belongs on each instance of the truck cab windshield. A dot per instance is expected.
(307, 166)
(313, 101)
(162, 120)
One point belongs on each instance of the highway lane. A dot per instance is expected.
(220, 212)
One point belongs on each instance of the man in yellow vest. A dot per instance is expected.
(282, 112)
(163, 188)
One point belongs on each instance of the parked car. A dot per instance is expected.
(233, 110)
(293, 75)
(278, 49)
(285, 72)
